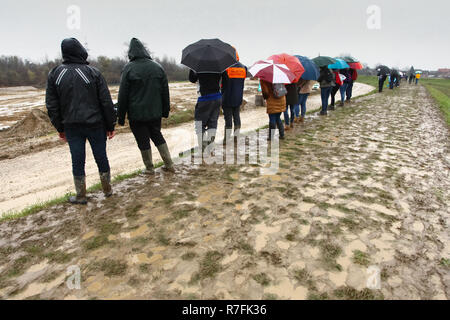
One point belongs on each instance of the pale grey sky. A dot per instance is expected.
(413, 32)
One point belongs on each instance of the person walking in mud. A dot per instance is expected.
(291, 102)
(207, 109)
(349, 92)
(80, 108)
(326, 80)
(305, 88)
(144, 96)
(412, 74)
(335, 89)
(381, 79)
(233, 80)
(275, 106)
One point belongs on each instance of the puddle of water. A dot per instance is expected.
(286, 290)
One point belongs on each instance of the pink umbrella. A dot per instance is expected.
(272, 72)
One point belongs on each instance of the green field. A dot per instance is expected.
(440, 91)
(370, 80)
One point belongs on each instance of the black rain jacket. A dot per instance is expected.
(77, 94)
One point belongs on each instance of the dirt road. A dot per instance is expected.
(45, 175)
(358, 210)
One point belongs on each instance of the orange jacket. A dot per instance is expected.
(274, 105)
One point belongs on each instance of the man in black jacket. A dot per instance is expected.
(80, 108)
(233, 80)
(144, 96)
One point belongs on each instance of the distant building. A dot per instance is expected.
(443, 72)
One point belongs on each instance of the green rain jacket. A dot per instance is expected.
(144, 90)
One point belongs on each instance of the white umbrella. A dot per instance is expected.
(272, 72)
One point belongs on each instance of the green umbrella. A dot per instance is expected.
(323, 61)
(349, 59)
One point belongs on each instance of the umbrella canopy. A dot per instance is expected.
(291, 62)
(418, 71)
(339, 64)
(311, 70)
(355, 65)
(323, 61)
(272, 72)
(349, 59)
(209, 56)
(383, 69)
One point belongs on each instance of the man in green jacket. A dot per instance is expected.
(144, 95)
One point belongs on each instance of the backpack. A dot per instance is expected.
(279, 90)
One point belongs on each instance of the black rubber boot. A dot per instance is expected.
(80, 188)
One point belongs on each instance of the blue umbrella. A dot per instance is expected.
(311, 70)
(339, 64)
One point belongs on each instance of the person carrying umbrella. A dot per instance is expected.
(233, 80)
(208, 59)
(144, 96)
(275, 106)
(343, 89)
(326, 81)
(80, 108)
(305, 88)
(335, 89)
(305, 85)
(412, 74)
(382, 75)
(291, 101)
(353, 75)
(417, 77)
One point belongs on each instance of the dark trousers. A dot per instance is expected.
(334, 90)
(232, 115)
(143, 131)
(290, 108)
(324, 95)
(76, 137)
(349, 90)
(274, 122)
(206, 115)
(381, 80)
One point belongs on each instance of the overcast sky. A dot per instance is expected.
(412, 32)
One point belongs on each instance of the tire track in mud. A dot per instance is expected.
(367, 186)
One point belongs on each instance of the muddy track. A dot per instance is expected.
(367, 186)
(44, 175)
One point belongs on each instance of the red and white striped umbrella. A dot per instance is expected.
(272, 72)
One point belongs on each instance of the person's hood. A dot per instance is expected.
(73, 51)
(137, 50)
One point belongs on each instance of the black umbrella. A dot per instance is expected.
(209, 56)
(384, 70)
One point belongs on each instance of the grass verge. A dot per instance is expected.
(439, 89)
(47, 204)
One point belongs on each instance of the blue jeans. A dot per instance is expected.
(76, 137)
(286, 114)
(274, 122)
(343, 90)
(302, 97)
(324, 95)
(349, 91)
(275, 118)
